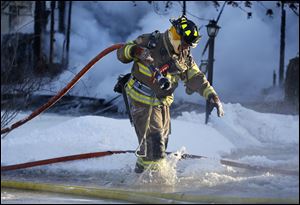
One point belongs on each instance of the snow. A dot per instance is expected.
(73, 135)
(243, 135)
(61, 135)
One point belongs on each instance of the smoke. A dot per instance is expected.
(246, 51)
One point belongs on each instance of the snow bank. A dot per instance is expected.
(50, 136)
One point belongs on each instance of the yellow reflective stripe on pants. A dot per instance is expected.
(145, 164)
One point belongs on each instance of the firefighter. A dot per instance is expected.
(160, 61)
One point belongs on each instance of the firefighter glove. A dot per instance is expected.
(215, 101)
(168, 100)
(142, 54)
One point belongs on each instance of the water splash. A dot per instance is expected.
(166, 172)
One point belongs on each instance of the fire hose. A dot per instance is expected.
(108, 153)
(62, 92)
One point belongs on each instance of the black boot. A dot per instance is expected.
(138, 168)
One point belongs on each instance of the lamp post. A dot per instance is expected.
(212, 31)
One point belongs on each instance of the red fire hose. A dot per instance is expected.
(77, 157)
(108, 153)
(62, 159)
(61, 93)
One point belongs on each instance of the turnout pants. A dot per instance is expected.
(154, 121)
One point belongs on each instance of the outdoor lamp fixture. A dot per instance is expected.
(212, 28)
(203, 66)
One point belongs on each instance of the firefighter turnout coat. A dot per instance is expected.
(149, 104)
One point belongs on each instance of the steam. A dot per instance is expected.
(246, 51)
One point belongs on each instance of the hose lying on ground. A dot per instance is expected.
(142, 197)
(107, 153)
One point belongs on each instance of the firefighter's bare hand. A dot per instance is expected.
(214, 99)
(143, 54)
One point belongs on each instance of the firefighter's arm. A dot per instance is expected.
(124, 53)
(195, 81)
(135, 50)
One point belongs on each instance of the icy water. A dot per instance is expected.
(259, 139)
(190, 176)
(17, 196)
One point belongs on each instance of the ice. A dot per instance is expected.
(243, 135)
